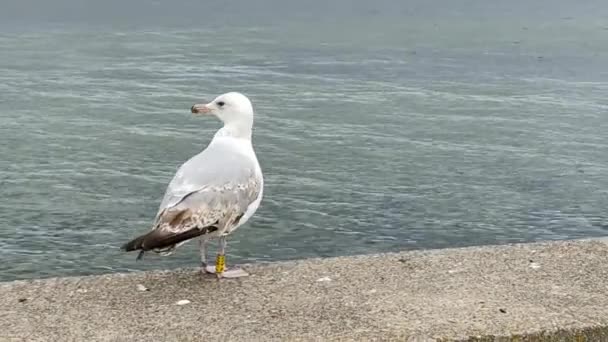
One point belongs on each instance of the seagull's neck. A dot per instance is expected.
(239, 129)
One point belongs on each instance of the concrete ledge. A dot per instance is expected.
(530, 292)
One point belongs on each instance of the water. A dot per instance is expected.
(380, 126)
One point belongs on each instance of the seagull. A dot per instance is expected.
(214, 192)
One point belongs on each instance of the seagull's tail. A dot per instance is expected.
(160, 240)
(134, 244)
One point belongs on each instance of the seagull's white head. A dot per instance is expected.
(234, 109)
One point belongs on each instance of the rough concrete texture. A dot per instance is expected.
(530, 292)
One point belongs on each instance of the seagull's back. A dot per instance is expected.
(225, 161)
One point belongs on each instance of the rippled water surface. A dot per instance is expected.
(380, 126)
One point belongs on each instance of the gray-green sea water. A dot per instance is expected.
(381, 126)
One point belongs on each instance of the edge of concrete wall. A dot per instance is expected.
(552, 291)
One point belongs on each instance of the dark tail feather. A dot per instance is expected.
(134, 244)
(159, 239)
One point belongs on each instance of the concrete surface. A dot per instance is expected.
(531, 292)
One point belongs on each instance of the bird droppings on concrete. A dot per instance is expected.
(376, 299)
(142, 288)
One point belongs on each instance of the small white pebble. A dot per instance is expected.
(140, 287)
(182, 302)
(324, 279)
(534, 265)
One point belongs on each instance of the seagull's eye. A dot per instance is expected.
(221, 103)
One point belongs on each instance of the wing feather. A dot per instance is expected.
(209, 193)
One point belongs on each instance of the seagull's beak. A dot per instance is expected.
(201, 109)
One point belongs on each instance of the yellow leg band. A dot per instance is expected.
(220, 264)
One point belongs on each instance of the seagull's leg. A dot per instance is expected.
(220, 259)
(202, 244)
(220, 263)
